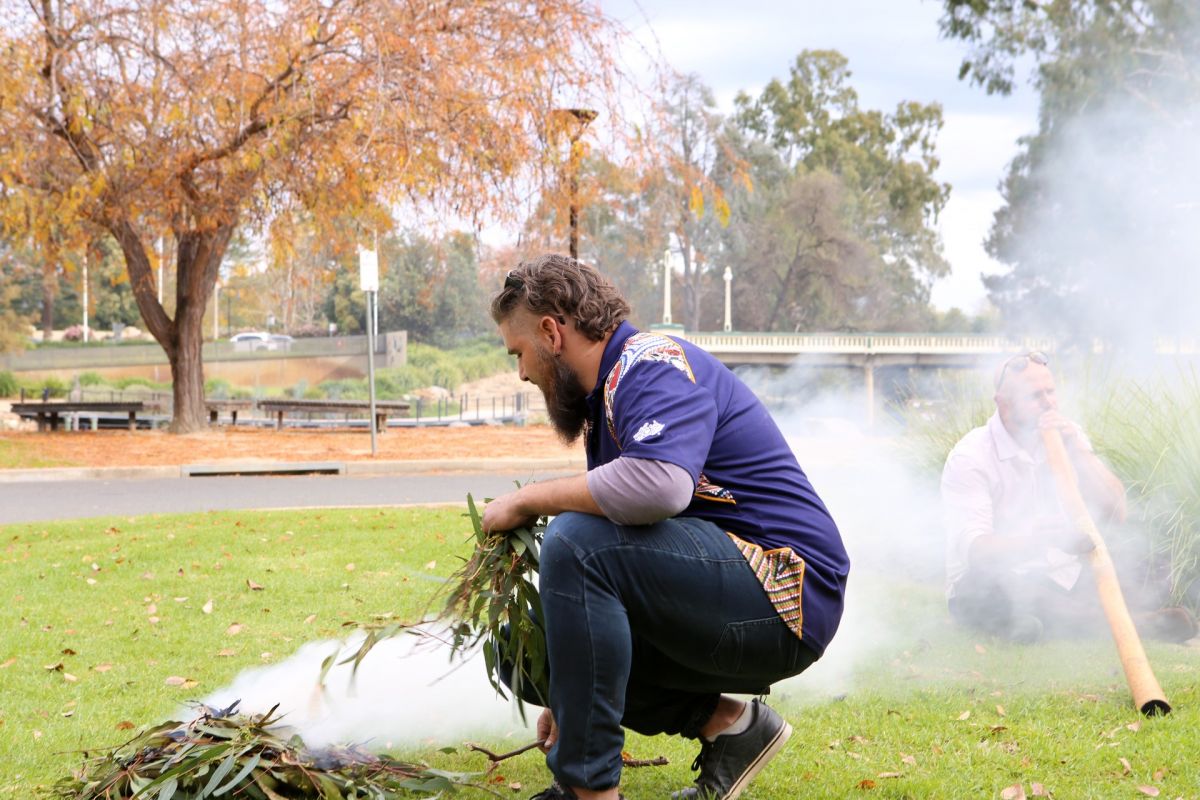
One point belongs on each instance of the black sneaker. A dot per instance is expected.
(728, 764)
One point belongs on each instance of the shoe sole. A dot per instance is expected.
(756, 766)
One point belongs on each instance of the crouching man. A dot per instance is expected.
(692, 561)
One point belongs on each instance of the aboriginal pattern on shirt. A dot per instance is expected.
(707, 490)
(781, 573)
(637, 348)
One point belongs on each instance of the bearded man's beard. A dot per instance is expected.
(566, 399)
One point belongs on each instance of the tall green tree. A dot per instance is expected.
(838, 231)
(1099, 213)
(431, 289)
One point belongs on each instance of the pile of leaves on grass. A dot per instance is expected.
(222, 753)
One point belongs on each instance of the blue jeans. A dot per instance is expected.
(645, 627)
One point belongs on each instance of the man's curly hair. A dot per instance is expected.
(560, 286)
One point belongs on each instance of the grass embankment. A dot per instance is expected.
(21, 454)
(120, 605)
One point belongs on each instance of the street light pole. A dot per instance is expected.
(728, 305)
(667, 287)
(86, 330)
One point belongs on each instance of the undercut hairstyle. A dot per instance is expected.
(562, 287)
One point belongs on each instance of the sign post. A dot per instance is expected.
(368, 274)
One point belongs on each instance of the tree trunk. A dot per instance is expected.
(198, 259)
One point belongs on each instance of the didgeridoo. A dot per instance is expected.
(1147, 694)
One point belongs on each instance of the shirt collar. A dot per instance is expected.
(612, 352)
(1006, 446)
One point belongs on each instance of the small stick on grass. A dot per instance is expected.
(496, 758)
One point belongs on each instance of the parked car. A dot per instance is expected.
(259, 340)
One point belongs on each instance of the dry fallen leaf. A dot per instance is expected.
(234, 629)
(1149, 791)
(1000, 710)
(1014, 792)
(350, 568)
(309, 618)
(980, 649)
(1159, 774)
(207, 607)
(909, 760)
(1134, 726)
(866, 783)
(69, 652)
(69, 678)
(966, 715)
(175, 680)
(125, 725)
(254, 587)
(225, 652)
(1038, 790)
(1126, 767)
(890, 775)
(105, 667)
(55, 667)
(431, 565)
(8, 663)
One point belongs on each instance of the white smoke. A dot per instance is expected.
(406, 692)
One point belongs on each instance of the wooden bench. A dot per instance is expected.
(215, 407)
(382, 408)
(49, 413)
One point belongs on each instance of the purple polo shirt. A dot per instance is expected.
(666, 399)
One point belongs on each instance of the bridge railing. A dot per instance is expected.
(866, 343)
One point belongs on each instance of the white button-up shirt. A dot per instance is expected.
(992, 485)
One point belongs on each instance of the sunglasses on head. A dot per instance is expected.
(1019, 363)
(514, 281)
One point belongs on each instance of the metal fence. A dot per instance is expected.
(392, 346)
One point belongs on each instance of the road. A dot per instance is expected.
(37, 501)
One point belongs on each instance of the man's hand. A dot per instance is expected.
(1068, 430)
(506, 513)
(547, 730)
(1065, 538)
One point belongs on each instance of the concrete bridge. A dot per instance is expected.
(871, 351)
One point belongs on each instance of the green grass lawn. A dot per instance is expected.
(96, 615)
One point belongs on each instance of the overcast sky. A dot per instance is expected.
(895, 54)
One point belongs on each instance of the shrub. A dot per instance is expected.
(217, 388)
(91, 379)
(9, 386)
(145, 383)
(56, 386)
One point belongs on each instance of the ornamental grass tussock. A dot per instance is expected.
(490, 602)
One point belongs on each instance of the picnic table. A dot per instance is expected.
(49, 413)
(215, 407)
(382, 408)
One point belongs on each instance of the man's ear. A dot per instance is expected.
(548, 327)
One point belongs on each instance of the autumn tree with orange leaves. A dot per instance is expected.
(191, 118)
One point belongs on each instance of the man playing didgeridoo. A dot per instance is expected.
(692, 561)
(1014, 565)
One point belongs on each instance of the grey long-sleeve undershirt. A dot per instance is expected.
(640, 491)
